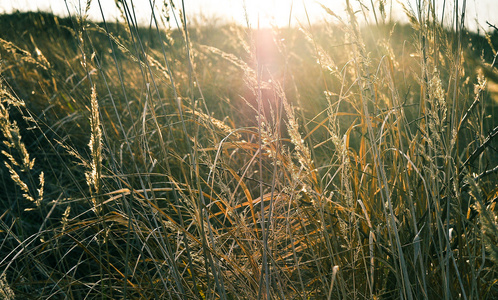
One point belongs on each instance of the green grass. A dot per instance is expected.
(219, 162)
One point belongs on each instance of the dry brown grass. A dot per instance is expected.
(200, 164)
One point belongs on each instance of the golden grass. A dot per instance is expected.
(198, 163)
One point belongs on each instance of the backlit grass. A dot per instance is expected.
(189, 160)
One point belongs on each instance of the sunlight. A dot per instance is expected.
(269, 12)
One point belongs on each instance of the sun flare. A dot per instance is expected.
(267, 13)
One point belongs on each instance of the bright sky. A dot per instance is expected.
(269, 11)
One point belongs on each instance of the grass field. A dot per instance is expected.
(190, 160)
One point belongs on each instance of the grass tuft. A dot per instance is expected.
(191, 160)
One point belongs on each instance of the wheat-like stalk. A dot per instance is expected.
(94, 175)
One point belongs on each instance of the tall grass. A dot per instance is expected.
(193, 161)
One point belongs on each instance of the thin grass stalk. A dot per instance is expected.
(406, 291)
(94, 179)
(400, 118)
(264, 281)
(168, 253)
(450, 139)
(127, 205)
(203, 214)
(163, 147)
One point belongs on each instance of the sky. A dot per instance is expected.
(268, 12)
